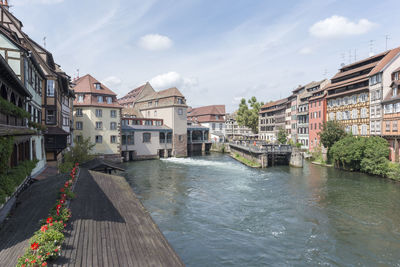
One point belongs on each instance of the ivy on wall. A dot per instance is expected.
(11, 109)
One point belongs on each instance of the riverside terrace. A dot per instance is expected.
(267, 154)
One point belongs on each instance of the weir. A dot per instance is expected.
(267, 154)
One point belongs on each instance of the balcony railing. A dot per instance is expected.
(11, 120)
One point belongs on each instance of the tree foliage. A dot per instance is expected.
(366, 154)
(79, 153)
(331, 132)
(248, 113)
(282, 136)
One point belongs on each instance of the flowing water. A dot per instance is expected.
(217, 212)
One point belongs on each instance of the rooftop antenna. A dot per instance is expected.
(355, 55)
(371, 48)
(44, 42)
(343, 59)
(349, 56)
(387, 37)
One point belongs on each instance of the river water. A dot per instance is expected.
(215, 211)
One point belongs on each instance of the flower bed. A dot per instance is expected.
(45, 244)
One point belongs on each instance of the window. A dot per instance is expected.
(78, 138)
(180, 101)
(148, 122)
(363, 129)
(113, 113)
(339, 116)
(354, 99)
(347, 129)
(372, 126)
(388, 109)
(79, 112)
(80, 98)
(156, 103)
(394, 126)
(79, 125)
(100, 99)
(220, 126)
(99, 113)
(396, 76)
(155, 113)
(363, 113)
(213, 126)
(113, 139)
(109, 100)
(99, 139)
(180, 111)
(97, 86)
(50, 88)
(378, 126)
(149, 103)
(355, 130)
(354, 114)
(113, 126)
(50, 116)
(180, 138)
(331, 116)
(396, 108)
(378, 94)
(99, 125)
(395, 91)
(378, 111)
(216, 117)
(388, 126)
(146, 137)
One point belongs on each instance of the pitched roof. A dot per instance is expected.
(161, 94)
(131, 112)
(207, 110)
(385, 61)
(275, 103)
(86, 83)
(133, 94)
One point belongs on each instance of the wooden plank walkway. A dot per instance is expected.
(33, 204)
(110, 227)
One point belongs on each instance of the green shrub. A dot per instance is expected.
(65, 167)
(393, 171)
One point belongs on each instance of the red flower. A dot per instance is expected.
(26, 260)
(49, 220)
(58, 206)
(77, 164)
(65, 225)
(66, 184)
(62, 190)
(48, 253)
(23, 265)
(64, 196)
(33, 261)
(35, 246)
(62, 201)
(44, 228)
(44, 264)
(56, 250)
(50, 224)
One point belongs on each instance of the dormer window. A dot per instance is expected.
(97, 86)
(109, 100)
(100, 99)
(395, 91)
(80, 98)
(180, 101)
(149, 103)
(216, 117)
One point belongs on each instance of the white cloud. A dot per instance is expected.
(155, 42)
(112, 81)
(338, 26)
(305, 51)
(173, 79)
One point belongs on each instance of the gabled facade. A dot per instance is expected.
(128, 101)
(54, 88)
(212, 117)
(169, 105)
(233, 130)
(97, 115)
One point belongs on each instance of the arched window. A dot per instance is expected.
(12, 99)
(4, 92)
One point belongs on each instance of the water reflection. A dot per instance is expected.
(217, 212)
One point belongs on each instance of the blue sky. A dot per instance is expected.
(215, 52)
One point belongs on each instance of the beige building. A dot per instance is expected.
(169, 105)
(98, 115)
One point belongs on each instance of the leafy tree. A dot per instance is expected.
(376, 154)
(248, 115)
(282, 136)
(331, 132)
(79, 153)
(348, 152)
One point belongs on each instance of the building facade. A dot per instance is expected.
(233, 130)
(97, 115)
(129, 100)
(212, 117)
(145, 139)
(169, 105)
(391, 116)
(271, 119)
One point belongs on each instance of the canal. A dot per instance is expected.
(217, 212)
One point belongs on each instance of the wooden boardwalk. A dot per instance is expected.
(33, 204)
(110, 227)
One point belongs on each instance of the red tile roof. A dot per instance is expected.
(207, 110)
(85, 85)
(387, 59)
(132, 95)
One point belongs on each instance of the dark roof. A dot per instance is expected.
(54, 130)
(97, 163)
(132, 95)
(207, 110)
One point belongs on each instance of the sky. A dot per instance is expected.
(213, 51)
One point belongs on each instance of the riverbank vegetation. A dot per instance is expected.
(248, 116)
(365, 154)
(247, 162)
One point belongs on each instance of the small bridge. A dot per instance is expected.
(267, 154)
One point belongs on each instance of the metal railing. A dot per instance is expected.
(261, 146)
